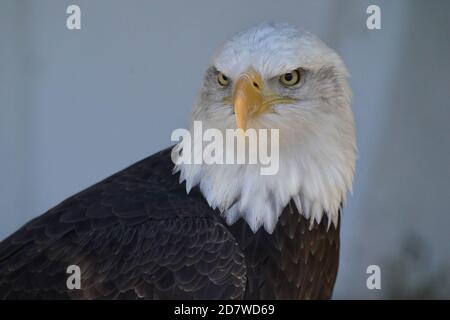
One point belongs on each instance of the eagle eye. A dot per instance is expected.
(291, 78)
(223, 79)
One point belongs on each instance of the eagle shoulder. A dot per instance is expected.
(135, 234)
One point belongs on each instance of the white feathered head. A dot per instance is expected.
(278, 77)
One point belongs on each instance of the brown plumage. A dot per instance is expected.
(295, 262)
(137, 234)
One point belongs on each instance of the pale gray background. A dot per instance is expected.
(76, 106)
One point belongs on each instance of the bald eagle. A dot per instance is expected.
(159, 230)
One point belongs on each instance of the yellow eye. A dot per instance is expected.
(223, 79)
(291, 78)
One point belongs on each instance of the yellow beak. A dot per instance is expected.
(247, 98)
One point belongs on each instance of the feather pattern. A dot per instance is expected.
(137, 235)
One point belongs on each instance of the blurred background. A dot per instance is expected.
(78, 105)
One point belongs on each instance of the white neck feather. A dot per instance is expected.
(316, 176)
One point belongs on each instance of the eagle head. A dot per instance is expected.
(274, 76)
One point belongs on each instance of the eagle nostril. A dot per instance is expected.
(256, 85)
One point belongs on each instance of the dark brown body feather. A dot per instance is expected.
(293, 262)
(137, 234)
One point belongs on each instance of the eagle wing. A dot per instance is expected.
(133, 235)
